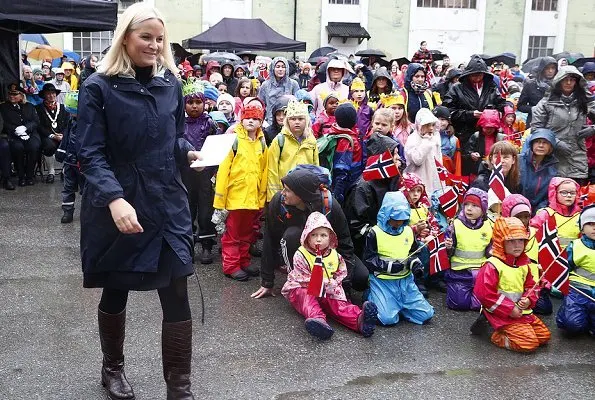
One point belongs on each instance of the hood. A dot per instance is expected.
(412, 70)
(483, 197)
(210, 65)
(303, 95)
(424, 116)
(382, 72)
(306, 185)
(513, 200)
(378, 143)
(568, 70)
(338, 64)
(272, 69)
(240, 66)
(232, 69)
(280, 104)
(507, 111)
(508, 229)
(477, 64)
(293, 68)
(435, 200)
(489, 119)
(552, 197)
(87, 64)
(543, 133)
(394, 206)
(588, 67)
(453, 73)
(544, 62)
(317, 220)
(408, 181)
(219, 117)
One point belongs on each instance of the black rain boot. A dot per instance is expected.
(112, 329)
(176, 347)
(67, 217)
(206, 256)
(255, 251)
(7, 184)
(480, 326)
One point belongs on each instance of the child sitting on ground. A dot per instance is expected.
(326, 118)
(468, 244)
(392, 258)
(318, 238)
(577, 313)
(504, 286)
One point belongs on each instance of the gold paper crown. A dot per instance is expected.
(358, 84)
(388, 100)
(296, 109)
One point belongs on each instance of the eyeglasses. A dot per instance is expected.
(565, 193)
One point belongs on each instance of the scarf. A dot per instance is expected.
(419, 88)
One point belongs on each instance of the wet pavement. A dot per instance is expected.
(246, 349)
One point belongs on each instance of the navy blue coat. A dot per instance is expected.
(130, 145)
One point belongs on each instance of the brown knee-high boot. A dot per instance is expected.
(111, 333)
(176, 346)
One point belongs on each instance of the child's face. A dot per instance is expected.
(426, 130)
(222, 88)
(251, 124)
(395, 223)
(507, 161)
(225, 107)
(381, 83)
(245, 89)
(525, 217)
(472, 211)
(358, 95)
(443, 123)
(222, 126)
(331, 106)
(319, 238)
(280, 117)
(541, 147)
(399, 111)
(514, 247)
(589, 230)
(509, 119)
(489, 131)
(496, 208)
(297, 125)
(566, 194)
(415, 194)
(194, 108)
(381, 125)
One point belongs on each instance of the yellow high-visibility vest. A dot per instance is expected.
(393, 248)
(471, 246)
(584, 259)
(511, 283)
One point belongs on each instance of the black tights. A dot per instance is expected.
(174, 301)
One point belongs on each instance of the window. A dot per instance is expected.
(447, 3)
(544, 5)
(86, 43)
(348, 2)
(540, 46)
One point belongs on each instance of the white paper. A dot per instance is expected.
(215, 149)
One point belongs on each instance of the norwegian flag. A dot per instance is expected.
(557, 273)
(430, 77)
(316, 284)
(438, 256)
(380, 166)
(497, 179)
(460, 186)
(587, 196)
(549, 244)
(515, 138)
(443, 173)
(449, 202)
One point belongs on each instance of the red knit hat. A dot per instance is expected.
(473, 199)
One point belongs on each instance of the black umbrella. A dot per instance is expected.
(381, 61)
(370, 53)
(221, 57)
(320, 52)
(581, 61)
(570, 57)
(504, 58)
(529, 65)
(437, 55)
(180, 52)
(401, 61)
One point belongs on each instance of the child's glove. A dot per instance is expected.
(417, 268)
(21, 132)
(219, 217)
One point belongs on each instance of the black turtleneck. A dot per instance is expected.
(144, 74)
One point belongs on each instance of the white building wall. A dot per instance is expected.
(343, 13)
(214, 11)
(459, 32)
(545, 23)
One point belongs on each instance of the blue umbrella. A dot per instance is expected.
(69, 54)
(34, 37)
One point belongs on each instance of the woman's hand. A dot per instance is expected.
(124, 217)
(262, 292)
(193, 156)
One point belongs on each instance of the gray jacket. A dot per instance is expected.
(563, 116)
(272, 89)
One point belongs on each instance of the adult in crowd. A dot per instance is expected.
(30, 86)
(564, 110)
(336, 70)
(88, 68)
(70, 75)
(475, 92)
(20, 126)
(277, 85)
(60, 83)
(136, 231)
(53, 120)
(230, 81)
(4, 158)
(452, 77)
(534, 89)
(416, 90)
(286, 218)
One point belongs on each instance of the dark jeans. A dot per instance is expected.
(73, 181)
(4, 158)
(25, 154)
(200, 200)
(48, 146)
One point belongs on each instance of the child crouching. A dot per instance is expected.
(319, 235)
(505, 288)
(387, 256)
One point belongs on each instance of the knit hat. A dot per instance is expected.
(357, 84)
(225, 97)
(211, 92)
(387, 100)
(253, 109)
(331, 95)
(37, 71)
(296, 109)
(588, 215)
(219, 118)
(305, 184)
(473, 199)
(441, 112)
(346, 115)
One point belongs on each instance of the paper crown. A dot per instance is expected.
(392, 99)
(358, 84)
(296, 109)
(193, 87)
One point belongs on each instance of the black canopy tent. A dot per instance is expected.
(42, 16)
(233, 34)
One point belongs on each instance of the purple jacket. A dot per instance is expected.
(196, 130)
(364, 118)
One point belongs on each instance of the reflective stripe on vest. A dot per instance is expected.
(330, 262)
(511, 283)
(471, 245)
(418, 214)
(568, 228)
(393, 248)
(584, 259)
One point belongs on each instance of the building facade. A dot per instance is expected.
(527, 28)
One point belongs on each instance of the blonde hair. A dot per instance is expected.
(117, 61)
(387, 114)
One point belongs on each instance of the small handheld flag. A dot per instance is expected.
(449, 202)
(380, 166)
(497, 179)
(443, 173)
(438, 256)
(316, 284)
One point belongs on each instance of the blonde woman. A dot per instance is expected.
(136, 232)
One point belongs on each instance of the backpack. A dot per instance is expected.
(234, 147)
(326, 148)
(281, 140)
